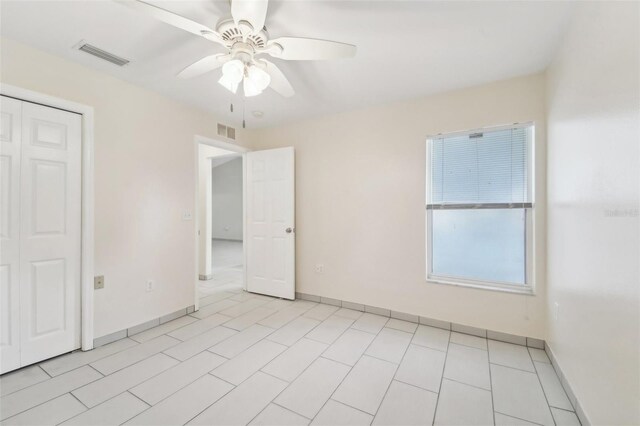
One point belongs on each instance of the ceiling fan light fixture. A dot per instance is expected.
(229, 83)
(259, 77)
(250, 88)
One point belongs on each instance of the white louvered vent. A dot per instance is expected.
(226, 131)
(102, 54)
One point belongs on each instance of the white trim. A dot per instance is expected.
(197, 140)
(87, 242)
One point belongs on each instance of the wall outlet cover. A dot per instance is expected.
(98, 282)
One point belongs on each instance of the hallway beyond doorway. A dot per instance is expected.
(226, 267)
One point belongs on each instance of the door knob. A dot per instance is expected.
(290, 230)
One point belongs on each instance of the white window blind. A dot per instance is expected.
(481, 168)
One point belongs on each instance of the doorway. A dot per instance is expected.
(220, 218)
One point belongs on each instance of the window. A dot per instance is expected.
(480, 208)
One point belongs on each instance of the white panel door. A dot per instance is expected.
(10, 148)
(50, 223)
(270, 235)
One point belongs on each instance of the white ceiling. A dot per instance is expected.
(406, 49)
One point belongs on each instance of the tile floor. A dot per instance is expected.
(250, 359)
(226, 267)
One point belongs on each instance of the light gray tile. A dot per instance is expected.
(68, 362)
(20, 379)
(353, 306)
(304, 304)
(510, 355)
(335, 413)
(405, 317)
(330, 301)
(294, 331)
(469, 340)
(422, 367)
(445, 325)
(51, 412)
(143, 327)
(321, 312)
(183, 405)
(215, 297)
(309, 392)
(565, 418)
(556, 397)
(192, 330)
(164, 328)
(214, 308)
(26, 398)
(246, 320)
(507, 338)
(535, 343)
(282, 317)
(118, 382)
(243, 403)
(115, 411)
(200, 343)
(504, 420)
(406, 326)
(406, 405)
(278, 304)
(539, 355)
(349, 347)
(377, 311)
(244, 295)
(466, 329)
(134, 354)
(240, 368)
(370, 323)
(468, 365)
(294, 360)
(241, 341)
(276, 415)
(390, 345)
(431, 337)
(173, 315)
(461, 404)
(365, 386)
(164, 384)
(348, 313)
(330, 329)
(109, 338)
(518, 394)
(243, 307)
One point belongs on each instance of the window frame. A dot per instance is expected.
(529, 287)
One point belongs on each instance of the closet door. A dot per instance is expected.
(10, 148)
(50, 224)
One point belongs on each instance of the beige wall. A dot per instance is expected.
(593, 202)
(144, 181)
(360, 203)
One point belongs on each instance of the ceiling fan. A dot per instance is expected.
(246, 39)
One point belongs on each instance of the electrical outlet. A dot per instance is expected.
(150, 286)
(319, 268)
(556, 310)
(186, 215)
(98, 282)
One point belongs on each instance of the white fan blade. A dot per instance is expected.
(279, 82)
(309, 49)
(252, 11)
(204, 65)
(173, 19)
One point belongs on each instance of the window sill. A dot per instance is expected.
(528, 291)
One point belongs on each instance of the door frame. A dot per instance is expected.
(87, 199)
(197, 140)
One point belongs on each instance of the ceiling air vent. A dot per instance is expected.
(226, 131)
(99, 53)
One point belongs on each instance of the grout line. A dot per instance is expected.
(444, 367)
(45, 372)
(543, 392)
(414, 386)
(524, 420)
(493, 407)
(83, 404)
